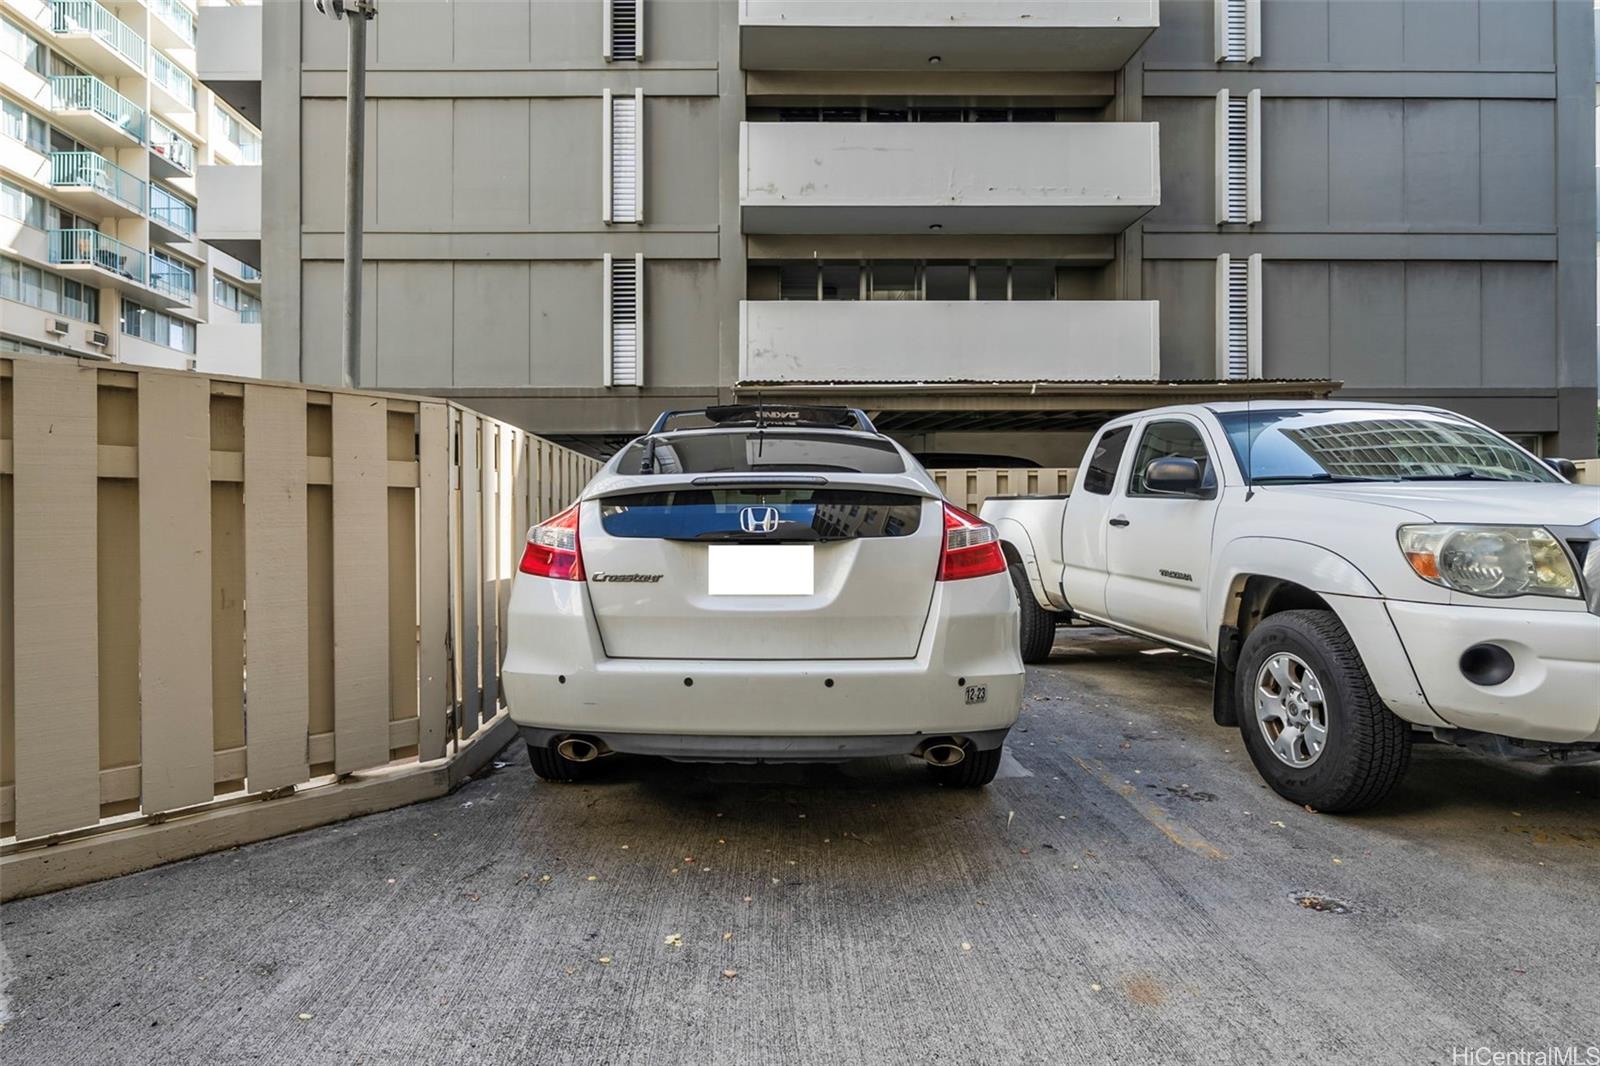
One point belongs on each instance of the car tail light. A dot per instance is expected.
(553, 549)
(971, 547)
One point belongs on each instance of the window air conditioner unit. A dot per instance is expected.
(99, 338)
(56, 326)
(191, 364)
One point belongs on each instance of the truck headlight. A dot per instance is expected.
(1490, 560)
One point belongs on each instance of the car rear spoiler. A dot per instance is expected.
(623, 484)
(765, 415)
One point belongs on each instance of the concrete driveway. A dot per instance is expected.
(1126, 891)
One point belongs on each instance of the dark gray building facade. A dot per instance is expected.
(992, 223)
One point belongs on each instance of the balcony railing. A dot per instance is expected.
(174, 279)
(85, 92)
(175, 15)
(248, 272)
(90, 170)
(86, 16)
(171, 145)
(165, 73)
(87, 247)
(175, 214)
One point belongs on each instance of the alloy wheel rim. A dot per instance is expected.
(1291, 710)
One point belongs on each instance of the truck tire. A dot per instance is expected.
(550, 765)
(1037, 628)
(975, 771)
(1311, 720)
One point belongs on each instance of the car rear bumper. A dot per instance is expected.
(1551, 694)
(558, 680)
(763, 748)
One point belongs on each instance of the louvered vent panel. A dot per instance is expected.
(625, 322)
(624, 29)
(1237, 172)
(624, 159)
(1235, 45)
(1238, 311)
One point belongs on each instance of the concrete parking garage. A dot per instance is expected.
(1126, 890)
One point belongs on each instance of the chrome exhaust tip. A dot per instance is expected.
(579, 749)
(944, 753)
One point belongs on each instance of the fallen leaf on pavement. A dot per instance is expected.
(674, 940)
(730, 973)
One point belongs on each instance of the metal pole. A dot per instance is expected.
(354, 190)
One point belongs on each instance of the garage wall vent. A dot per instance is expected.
(624, 319)
(623, 38)
(1238, 317)
(622, 175)
(1238, 157)
(1238, 30)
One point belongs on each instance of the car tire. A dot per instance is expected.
(1037, 626)
(1364, 748)
(975, 771)
(551, 765)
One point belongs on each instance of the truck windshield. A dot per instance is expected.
(1287, 446)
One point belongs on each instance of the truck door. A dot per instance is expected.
(1158, 543)
(1083, 523)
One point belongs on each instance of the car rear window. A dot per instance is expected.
(761, 514)
(762, 451)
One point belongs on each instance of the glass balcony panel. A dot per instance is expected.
(170, 211)
(176, 16)
(171, 146)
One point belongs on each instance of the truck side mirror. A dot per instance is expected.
(1173, 476)
(1565, 467)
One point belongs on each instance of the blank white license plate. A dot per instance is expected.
(761, 570)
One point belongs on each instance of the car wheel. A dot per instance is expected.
(1312, 722)
(975, 771)
(551, 765)
(1037, 625)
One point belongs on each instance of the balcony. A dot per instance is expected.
(96, 259)
(174, 91)
(171, 217)
(90, 34)
(1023, 177)
(783, 341)
(91, 183)
(231, 219)
(171, 153)
(171, 279)
(1055, 35)
(229, 58)
(172, 25)
(94, 112)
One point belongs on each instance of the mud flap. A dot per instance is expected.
(1224, 710)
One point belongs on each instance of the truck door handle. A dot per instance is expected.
(1119, 521)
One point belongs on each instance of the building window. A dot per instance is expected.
(1238, 317)
(1238, 157)
(47, 291)
(21, 46)
(157, 328)
(22, 125)
(899, 280)
(933, 113)
(624, 320)
(1238, 30)
(622, 198)
(229, 295)
(21, 205)
(623, 33)
(238, 133)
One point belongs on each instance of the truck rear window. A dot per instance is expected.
(761, 515)
(765, 451)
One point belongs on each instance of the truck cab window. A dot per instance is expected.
(1164, 440)
(1107, 456)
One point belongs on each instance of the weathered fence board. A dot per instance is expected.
(360, 583)
(276, 586)
(967, 488)
(433, 580)
(175, 739)
(57, 675)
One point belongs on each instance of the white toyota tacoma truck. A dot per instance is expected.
(1358, 574)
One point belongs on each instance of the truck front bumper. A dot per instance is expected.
(1553, 692)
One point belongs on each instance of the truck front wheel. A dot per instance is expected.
(1312, 722)
(1038, 626)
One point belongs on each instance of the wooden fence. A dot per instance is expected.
(214, 589)
(969, 487)
(1588, 472)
